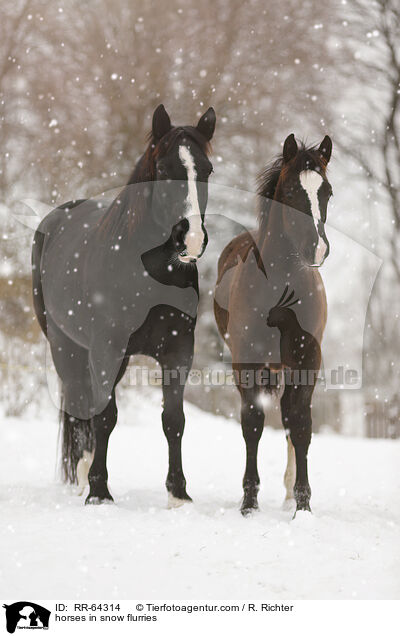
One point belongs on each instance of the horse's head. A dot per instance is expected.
(303, 187)
(180, 181)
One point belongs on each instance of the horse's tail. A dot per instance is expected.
(38, 300)
(77, 446)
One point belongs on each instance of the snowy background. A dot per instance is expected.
(78, 85)
(53, 546)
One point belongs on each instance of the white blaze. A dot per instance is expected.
(311, 182)
(195, 235)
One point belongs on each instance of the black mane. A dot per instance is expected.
(307, 158)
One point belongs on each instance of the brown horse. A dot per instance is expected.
(270, 307)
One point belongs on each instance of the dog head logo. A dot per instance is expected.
(26, 615)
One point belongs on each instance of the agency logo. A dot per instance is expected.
(26, 615)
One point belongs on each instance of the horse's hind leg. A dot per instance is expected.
(173, 420)
(71, 362)
(82, 470)
(296, 417)
(103, 424)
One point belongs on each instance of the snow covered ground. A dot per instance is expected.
(56, 548)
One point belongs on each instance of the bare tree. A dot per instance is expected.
(371, 61)
(374, 29)
(79, 83)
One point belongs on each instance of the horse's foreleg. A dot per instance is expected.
(252, 420)
(173, 421)
(103, 425)
(296, 417)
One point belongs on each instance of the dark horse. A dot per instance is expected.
(271, 309)
(113, 280)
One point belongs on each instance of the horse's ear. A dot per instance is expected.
(326, 148)
(161, 122)
(290, 148)
(206, 123)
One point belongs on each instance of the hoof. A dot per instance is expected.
(247, 511)
(289, 504)
(249, 501)
(304, 517)
(302, 497)
(177, 502)
(97, 501)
